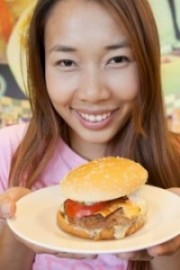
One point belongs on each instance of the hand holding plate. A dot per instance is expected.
(8, 201)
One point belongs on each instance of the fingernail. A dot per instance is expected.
(5, 210)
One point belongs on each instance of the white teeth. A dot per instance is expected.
(95, 118)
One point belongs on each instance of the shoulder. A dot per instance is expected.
(13, 131)
(11, 136)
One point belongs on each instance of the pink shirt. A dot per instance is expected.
(63, 160)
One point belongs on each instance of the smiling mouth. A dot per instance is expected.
(92, 118)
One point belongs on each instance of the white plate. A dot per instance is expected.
(35, 222)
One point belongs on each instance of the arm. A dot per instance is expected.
(172, 259)
(166, 262)
(165, 256)
(14, 255)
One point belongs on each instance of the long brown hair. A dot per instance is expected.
(145, 136)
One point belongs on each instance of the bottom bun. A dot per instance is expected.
(116, 232)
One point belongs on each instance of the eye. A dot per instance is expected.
(118, 60)
(65, 63)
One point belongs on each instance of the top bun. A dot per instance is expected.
(103, 179)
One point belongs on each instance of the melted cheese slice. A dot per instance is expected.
(130, 210)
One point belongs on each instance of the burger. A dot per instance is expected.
(104, 199)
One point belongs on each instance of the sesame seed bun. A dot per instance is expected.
(103, 179)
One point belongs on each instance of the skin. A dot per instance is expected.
(82, 82)
(14, 254)
(98, 79)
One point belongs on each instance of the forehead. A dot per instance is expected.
(71, 19)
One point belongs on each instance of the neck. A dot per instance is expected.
(88, 150)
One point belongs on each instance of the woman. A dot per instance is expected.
(95, 90)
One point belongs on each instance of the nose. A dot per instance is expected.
(92, 86)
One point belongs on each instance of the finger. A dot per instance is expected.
(141, 255)
(175, 190)
(8, 199)
(75, 256)
(7, 209)
(167, 248)
(16, 193)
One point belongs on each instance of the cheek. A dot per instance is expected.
(60, 88)
(124, 84)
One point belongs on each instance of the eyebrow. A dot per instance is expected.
(64, 48)
(119, 45)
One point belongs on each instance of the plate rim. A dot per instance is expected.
(81, 250)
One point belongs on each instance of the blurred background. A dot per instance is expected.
(14, 19)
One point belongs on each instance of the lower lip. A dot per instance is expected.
(95, 125)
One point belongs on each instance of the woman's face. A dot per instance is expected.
(91, 73)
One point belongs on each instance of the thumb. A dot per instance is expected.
(8, 201)
(16, 193)
(175, 190)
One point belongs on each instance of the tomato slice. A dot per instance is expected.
(76, 209)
